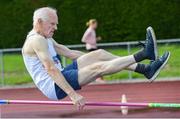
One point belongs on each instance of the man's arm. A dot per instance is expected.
(40, 47)
(63, 50)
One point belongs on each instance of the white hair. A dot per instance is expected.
(43, 13)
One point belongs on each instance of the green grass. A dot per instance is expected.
(15, 71)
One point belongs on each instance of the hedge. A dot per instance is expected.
(119, 20)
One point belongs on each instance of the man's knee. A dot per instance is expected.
(100, 53)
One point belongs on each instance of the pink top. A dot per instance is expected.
(89, 38)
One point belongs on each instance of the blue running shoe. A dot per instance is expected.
(156, 66)
(150, 45)
(151, 38)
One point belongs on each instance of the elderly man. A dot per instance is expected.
(41, 54)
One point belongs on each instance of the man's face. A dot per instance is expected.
(48, 27)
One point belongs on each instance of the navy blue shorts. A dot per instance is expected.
(71, 75)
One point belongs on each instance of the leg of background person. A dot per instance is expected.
(91, 72)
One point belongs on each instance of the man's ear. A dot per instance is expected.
(39, 21)
(39, 25)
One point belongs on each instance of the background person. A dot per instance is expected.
(89, 37)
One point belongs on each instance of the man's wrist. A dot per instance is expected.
(71, 93)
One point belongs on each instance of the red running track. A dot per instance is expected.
(168, 92)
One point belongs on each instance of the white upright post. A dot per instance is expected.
(2, 68)
(129, 52)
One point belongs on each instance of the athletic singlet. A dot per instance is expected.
(37, 71)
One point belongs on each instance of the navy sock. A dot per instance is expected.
(142, 68)
(140, 56)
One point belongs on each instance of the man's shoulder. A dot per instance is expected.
(34, 35)
(36, 40)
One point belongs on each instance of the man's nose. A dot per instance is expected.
(55, 27)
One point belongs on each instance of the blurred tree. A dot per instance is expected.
(119, 20)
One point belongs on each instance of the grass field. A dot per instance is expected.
(15, 71)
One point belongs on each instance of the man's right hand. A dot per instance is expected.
(77, 100)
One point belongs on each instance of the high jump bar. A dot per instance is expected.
(38, 102)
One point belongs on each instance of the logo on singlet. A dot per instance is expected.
(56, 60)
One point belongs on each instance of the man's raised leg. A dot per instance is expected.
(91, 72)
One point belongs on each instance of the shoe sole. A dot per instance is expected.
(158, 71)
(154, 41)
